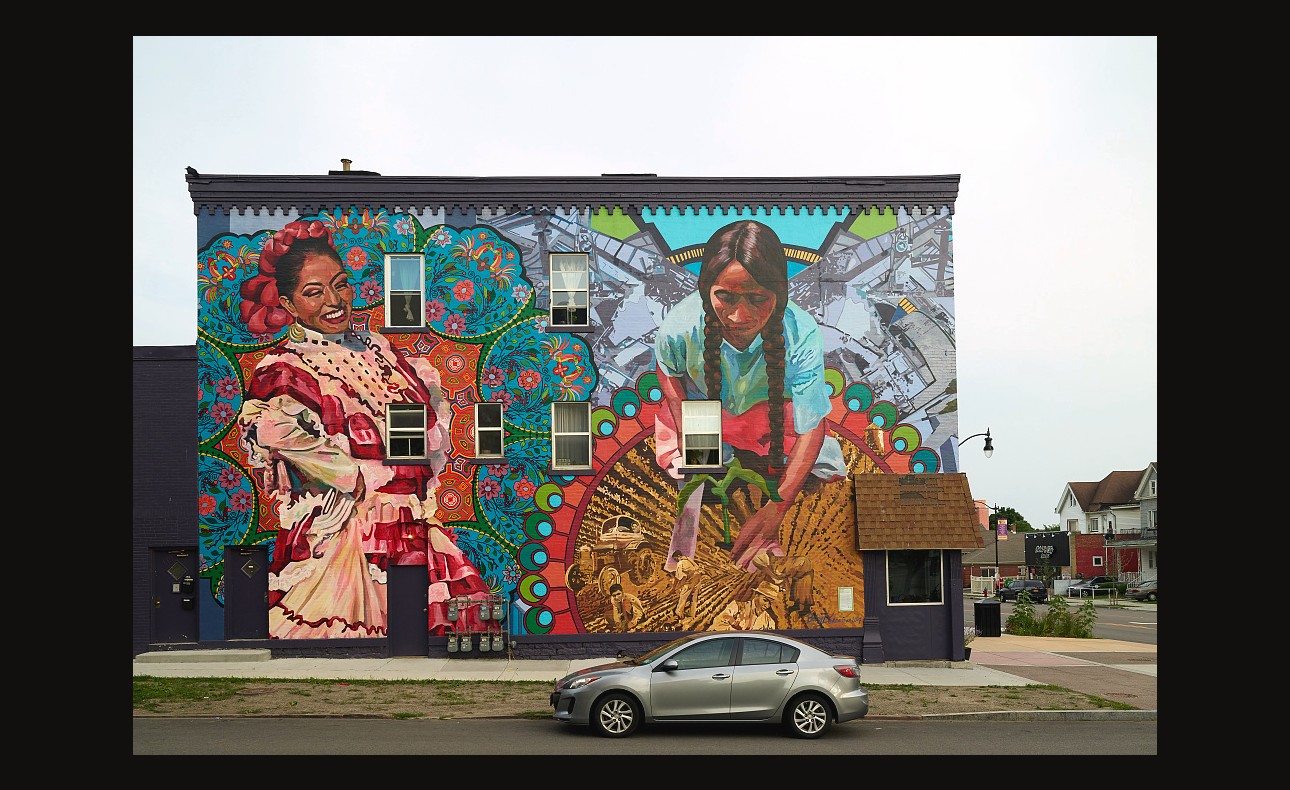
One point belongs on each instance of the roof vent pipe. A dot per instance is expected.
(345, 163)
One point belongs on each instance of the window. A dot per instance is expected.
(914, 576)
(405, 430)
(701, 432)
(488, 430)
(570, 290)
(571, 435)
(404, 290)
(1097, 561)
(1151, 487)
(705, 655)
(761, 651)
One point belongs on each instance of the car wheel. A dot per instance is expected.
(615, 716)
(808, 717)
(1151, 596)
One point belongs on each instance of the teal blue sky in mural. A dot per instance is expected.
(687, 227)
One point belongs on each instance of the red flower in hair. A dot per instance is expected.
(260, 308)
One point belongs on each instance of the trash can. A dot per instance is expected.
(986, 614)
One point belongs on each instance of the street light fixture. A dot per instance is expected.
(996, 509)
(989, 442)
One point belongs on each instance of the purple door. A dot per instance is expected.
(407, 597)
(174, 595)
(246, 592)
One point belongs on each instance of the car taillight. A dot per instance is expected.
(847, 670)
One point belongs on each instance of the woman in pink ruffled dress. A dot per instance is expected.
(313, 427)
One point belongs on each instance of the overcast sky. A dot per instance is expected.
(1054, 140)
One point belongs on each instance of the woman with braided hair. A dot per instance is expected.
(313, 428)
(740, 340)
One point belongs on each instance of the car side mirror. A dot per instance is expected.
(668, 665)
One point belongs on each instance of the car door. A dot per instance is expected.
(764, 674)
(699, 688)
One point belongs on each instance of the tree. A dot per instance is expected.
(1015, 522)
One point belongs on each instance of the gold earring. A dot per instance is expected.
(296, 333)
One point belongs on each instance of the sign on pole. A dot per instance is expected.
(1002, 526)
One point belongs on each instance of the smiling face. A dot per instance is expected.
(322, 296)
(742, 304)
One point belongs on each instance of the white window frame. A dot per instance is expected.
(699, 418)
(407, 292)
(404, 433)
(556, 435)
(1097, 561)
(481, 430)
(568, 289)
(1151, 487)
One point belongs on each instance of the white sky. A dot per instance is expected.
(1054, 140)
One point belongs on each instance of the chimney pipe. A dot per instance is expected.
(345, 163)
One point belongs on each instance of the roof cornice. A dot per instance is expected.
(309, 193)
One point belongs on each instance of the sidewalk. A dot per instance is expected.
(1112, 669)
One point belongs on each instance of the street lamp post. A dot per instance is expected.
(989, 451)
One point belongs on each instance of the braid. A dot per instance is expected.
(261, 310)
(711, 351)
(772, 338)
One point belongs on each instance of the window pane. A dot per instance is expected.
(407, 447)
(406, 273)
(703, 441)
(569, 281)
(569, 316)
(407, 416)
(490, 442)
(914, 576)
(759, 651)
(701, 457)
(572, 417)
(701, 416)
(572, 451)
(713, 653)
(566, 262)
(405, 309)
(488, 415)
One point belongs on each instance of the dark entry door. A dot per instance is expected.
(174, 595)
(246, 592)
(407, 596)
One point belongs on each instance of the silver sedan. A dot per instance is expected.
(716, 677)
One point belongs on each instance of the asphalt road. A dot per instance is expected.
(364, 738)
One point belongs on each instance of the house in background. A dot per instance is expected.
(1112, 523)
(497, 384)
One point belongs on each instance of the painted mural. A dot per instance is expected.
(826, 338)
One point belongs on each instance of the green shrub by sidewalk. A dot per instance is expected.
(1059, 621)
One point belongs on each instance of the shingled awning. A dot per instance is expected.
(918, 511)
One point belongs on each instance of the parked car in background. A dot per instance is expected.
(1142, 591)
(716, 677)
(1033, 587)
(1094, 586)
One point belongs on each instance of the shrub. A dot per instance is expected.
(1058, 621)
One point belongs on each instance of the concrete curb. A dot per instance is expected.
(1000, 715)
(1045, 715)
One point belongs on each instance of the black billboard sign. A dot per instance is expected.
(1053, 548)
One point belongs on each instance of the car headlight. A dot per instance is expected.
(578, 683)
